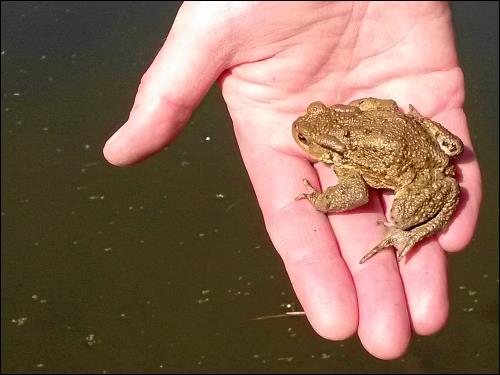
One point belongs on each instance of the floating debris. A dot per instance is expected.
(219, 195)
(286, 359)
(19, 321)
(91, 340)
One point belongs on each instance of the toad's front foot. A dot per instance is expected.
(312, 192)
(402, 240)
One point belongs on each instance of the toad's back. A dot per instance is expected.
(390, 149)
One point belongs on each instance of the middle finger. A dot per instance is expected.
(384, 327)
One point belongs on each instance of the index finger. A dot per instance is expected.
(305, 241)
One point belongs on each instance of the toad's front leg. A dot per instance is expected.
(350, 192)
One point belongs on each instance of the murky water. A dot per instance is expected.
(160, 267)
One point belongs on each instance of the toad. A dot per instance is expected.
(371, 142)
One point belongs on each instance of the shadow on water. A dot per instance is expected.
(161, 267)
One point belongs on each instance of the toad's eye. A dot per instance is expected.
(315, 108)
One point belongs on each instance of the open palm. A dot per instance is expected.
(272, 60)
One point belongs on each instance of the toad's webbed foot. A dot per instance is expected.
(402, 240)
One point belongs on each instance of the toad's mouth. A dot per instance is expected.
(302, 139)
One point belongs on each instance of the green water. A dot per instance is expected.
(160, 267)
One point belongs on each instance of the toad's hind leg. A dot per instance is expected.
(350, 192)
(419, 210)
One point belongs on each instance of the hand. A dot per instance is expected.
(272, 60)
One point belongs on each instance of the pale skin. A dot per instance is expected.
(273, 59)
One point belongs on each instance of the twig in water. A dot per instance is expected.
(286, 315)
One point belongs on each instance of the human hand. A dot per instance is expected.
(272, 60)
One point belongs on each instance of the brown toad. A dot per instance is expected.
(370, 142)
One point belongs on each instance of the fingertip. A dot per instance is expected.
(384, 349)
(428, 320)
(424, 275)
(385, 335)
(384, 328)
(117, 153)
(454, 244)
(144, 135)
(334, 322)
(114, 155)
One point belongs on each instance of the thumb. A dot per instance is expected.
(180, 76)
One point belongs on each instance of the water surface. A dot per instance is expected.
(159, 268)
